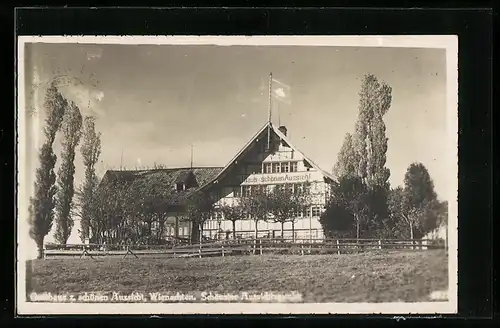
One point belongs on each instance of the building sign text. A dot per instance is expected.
(277, 178)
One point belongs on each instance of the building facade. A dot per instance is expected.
(268, 160)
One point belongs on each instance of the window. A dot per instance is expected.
(237, 192)
(267, 168)
(180, 187)
(276, 167)
(293, 167)
(316, 211)
(299, 188)
(285, 167)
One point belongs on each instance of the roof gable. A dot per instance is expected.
(255, 138)
(285, 139)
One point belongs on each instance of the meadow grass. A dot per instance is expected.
(378, 276)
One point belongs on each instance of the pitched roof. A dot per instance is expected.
(285, 139)
(239, 154)
(162, 181)
(256, 137)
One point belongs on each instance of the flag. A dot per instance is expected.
(281, 91)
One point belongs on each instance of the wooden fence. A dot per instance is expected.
(240, 247)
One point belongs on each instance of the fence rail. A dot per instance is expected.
(240, 247)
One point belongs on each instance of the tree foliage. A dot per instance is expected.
(347, 159)
(90, 150)
(71, 129)
(361, 162)
(415, 206)
(370, 141)
(284, 204)
(200, 207)
(233, 213)
(42, 204)
(256, 207)
(148, 202)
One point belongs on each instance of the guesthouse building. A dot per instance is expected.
(267, 160)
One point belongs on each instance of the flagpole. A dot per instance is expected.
(269, 112)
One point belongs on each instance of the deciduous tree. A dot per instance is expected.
(370, 138)
(71, 129)
(41, 215)
(416, 203)
(233, 213)
(420, 188)
(256, 208)
(285, 204)
(347, 159)
(200, 207)
(370, 143)
(90, 150)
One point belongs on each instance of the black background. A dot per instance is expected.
(473, 26)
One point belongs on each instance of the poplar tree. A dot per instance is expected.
(363, 156)
(371, 140)
(90, 150)
(371, 148)
(41, 214)
(71, 129)
(347, 159)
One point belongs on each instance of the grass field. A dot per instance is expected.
(408, 276)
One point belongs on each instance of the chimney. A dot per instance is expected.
(283, 129)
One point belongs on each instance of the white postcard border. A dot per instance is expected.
(448, 42)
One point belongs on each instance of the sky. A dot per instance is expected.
(152, 102)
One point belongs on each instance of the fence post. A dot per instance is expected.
(379, 244)
(338, 247)
(222, 250)
(260, 244)
(301, 249)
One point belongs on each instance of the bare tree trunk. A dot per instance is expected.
(176, 232)
(411, 235)
(201, 233)
(234, 230)
(39, 245)
(282, 229)
(256, 235)
(357, 230)
(194, 232)
(293, 231)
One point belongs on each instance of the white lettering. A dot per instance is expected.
(276, 178)
(178, 297)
